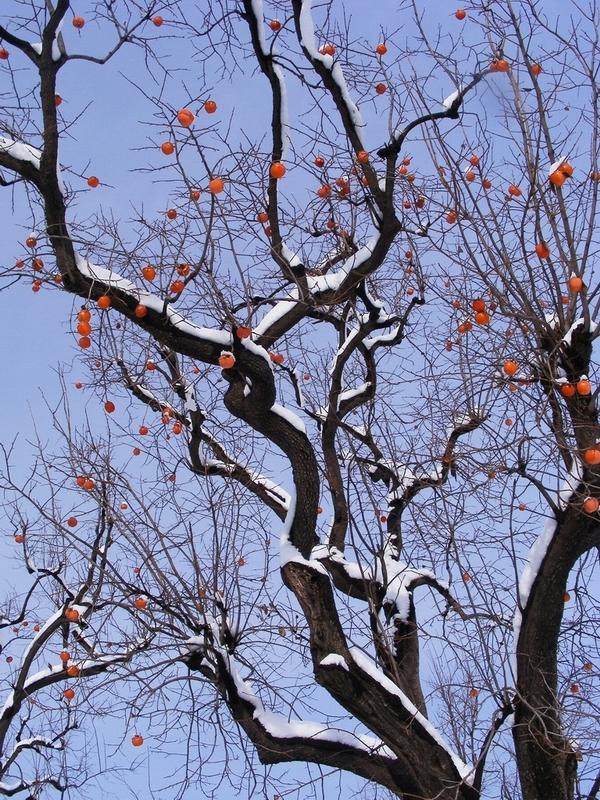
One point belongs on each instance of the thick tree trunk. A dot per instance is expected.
(546, 760)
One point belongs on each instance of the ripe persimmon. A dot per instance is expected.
(93, 182)
(210, 106)
(226, 360)
(149, 273)
(78, 22)
(140, 311)
(380, 88)
(185, 117)
(590, 505)
(72, 522)
(278, 169)
(592, 456)
(542, 250)
(460, 14)
(575, 283)
(216, 185)
(381, 49)
(168, 148)
(583, 387)
(137, 740)
(104, 302)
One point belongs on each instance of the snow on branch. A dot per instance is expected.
(368, 666)
(331, 71)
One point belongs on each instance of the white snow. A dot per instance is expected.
(289, 416)
(578, 323)
(307, 40)
(56, 54)
(557, 164)
(540, 547)
(367, 664)
(334, 660)
(21, 151)
(333, 280)
(282, 728)
(448, 101)
(272, 316)
(115, 281)
(348, 394)
(397, 580)
(385, 338)
(287, 551)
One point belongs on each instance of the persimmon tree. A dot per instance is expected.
(343, 509)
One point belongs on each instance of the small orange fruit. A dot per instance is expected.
(557, 178)
(535, 69)
(277, 358)
(584, 387)
(64, 656)
(140, 311)
(210, 106)
(78, 22)
(592, 457)
(451, 217)
(69, 694)
(478, 304)
(568, 390)
(575, 284)
(381, 88)
(243, 332)
(510, 367)
(514, 190)
(84, 342)
(262, 217)
(168, 148)
(278, 169)
(362, 156)
(185, 117)
(460, 14)
(590, 505)
(482, 318)
(71, 614)
(216, 185)
(104, 302)
(275, 25)
(93, 182)
(137, 740)
(19, 538)
(72, 522)
(157, 20)
(226, 360)
(140, 603)
(109, 406)
(381, 49)
(171, 213)
(149, 273)
(541, 250)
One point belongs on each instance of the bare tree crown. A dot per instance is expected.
(343, 507)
